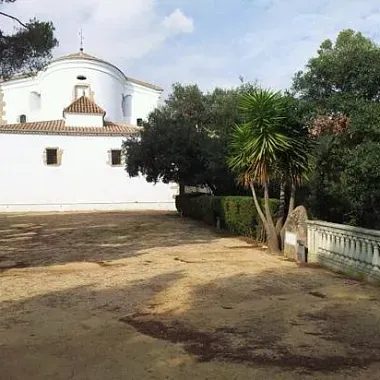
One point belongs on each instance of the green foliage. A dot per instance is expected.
(326, 200)
(270, 145)
(361, 185)
(200, 207)
(236, 214)
(239, 215)
(185, 140)
(257, 142)
(343, 71)
(344, 79)
(168, 149)
(28, 49)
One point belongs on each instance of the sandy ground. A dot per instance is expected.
(152, 296)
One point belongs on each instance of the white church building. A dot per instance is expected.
(61, 135)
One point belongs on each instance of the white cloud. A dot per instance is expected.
(117, 30)
(156, 40)
(290, 33)
(177, 21)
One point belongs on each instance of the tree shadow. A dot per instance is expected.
(276, 320)
(276, 323)
(75, 334)
(50, 239)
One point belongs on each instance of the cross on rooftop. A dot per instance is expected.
(81, 40)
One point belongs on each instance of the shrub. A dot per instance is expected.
(235, 213)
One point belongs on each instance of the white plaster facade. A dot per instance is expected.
(85, 178)
(44, 96)
(84, 120)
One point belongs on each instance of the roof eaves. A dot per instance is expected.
(145, 84)
(58, 127)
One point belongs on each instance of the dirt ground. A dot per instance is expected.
(103, 296)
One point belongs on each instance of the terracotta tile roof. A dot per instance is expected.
(58, 127)
(84, 105)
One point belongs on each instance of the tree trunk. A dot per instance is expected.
(266, 219)
(292, 202)
(258, 208)
(281, 208)
(273, 241)
(181, 188)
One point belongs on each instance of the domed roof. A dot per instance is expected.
(80, 55)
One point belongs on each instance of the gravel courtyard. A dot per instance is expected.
(103, 296)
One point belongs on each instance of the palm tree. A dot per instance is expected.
(294, 167)
(264, 149)
(295, 164)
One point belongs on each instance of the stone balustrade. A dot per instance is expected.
(346, 249)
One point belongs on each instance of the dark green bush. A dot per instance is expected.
(235, 214)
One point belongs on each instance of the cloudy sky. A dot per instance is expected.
(210, 42)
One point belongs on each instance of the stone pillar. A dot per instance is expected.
(295, 232)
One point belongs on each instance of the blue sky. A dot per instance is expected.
(209, 42)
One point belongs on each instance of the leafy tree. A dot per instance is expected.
(185, 140)
(294, 165)
(341, 73)
(266, 148)
(28, 49)
(340, 89)
(223, 106)
(361, 184)
(169, 147)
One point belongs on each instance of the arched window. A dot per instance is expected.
(126, 105)
(34, 101)
(22, 118)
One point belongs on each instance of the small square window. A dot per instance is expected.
(139, 122)
(116, 157)
(52, 156)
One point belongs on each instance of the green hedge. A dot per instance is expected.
(235, 214)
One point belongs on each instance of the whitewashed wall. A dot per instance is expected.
(346, 249)
(143, 101)
(83, 120)
(16, 97)
(56, 88)
(84, 181)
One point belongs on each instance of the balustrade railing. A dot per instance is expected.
(344, 247)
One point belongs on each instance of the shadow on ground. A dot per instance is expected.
(49, 239)
(275, 320)
(270, 325)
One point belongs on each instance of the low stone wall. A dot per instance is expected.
(350, 250)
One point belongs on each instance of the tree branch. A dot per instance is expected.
(14, 18)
